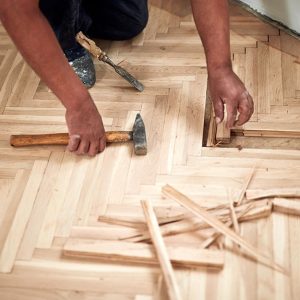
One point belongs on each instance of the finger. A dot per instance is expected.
(102, 144)
(83, 147)
(94, 149)
(231, 114)
(219, 110)
(74, 142)
(245, 109)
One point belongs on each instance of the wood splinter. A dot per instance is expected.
(245, 186)
(161, 251)
(232, 212)
(206, 243)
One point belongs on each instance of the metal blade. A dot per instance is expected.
(139, 136)
(123, 73)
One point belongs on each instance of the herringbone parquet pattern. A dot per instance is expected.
(45, 192)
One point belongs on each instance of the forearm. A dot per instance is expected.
(212, 21)
(37, 43)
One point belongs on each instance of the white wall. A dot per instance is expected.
(284, 11)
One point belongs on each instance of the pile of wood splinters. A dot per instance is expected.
(185, 235)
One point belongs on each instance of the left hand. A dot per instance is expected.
(225, 87)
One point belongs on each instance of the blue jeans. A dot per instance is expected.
(104, 19)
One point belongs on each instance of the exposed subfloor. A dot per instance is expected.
(45, 191)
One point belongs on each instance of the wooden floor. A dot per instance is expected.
(46, 192)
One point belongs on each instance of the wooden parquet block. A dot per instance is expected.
(46, 192)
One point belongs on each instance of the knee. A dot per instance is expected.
(137, 25)
(143, 21)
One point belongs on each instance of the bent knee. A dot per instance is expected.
(136, 26)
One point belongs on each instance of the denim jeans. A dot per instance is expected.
(104, 19)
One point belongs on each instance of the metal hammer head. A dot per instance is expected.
(139, 136)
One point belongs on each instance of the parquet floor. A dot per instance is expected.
(46, 192)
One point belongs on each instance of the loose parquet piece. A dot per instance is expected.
(223, 131)
(286, 206)
(272, 193)
(161, 251)
(142, 253)
(214, 222)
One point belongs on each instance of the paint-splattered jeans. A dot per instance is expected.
(104, 19)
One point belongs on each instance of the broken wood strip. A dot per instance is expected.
(273, 193)
(210, 240)
(193, 224)
(161, 251)
(165, 216)
(261, 212)
(142, 253)
(245, 187)
(286, 206)
(258, 212)
(232, 212)
(205, 244)
(214, 222)
(138, 223)
(189, 225)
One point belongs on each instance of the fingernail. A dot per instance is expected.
(218, 120)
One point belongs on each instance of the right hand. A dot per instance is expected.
(225, 87)
(86, 130)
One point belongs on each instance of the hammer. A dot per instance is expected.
(137, 135)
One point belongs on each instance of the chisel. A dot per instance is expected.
(91, 46)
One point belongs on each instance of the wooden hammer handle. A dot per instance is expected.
(63, 138)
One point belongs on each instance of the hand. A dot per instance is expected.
(87, 134)
(226, 88)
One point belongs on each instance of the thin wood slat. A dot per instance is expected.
(286, 206)
(215, 223)
(142, 253)
(239, 200)
(273, 193)
(161, 251)
(267, 133)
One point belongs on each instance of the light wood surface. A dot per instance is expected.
(48, 196)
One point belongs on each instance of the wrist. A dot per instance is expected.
(218, 71)
(79, 103)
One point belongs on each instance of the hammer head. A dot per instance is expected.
(139, 136)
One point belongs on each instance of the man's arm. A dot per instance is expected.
(212, 21)
(37, 43)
